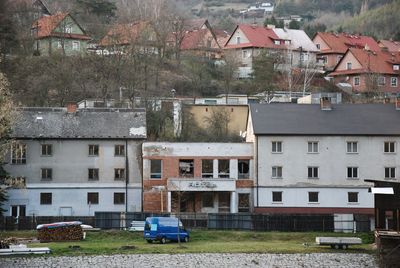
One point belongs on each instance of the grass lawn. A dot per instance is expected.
(112, 242)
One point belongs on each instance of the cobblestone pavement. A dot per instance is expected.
(197, 260)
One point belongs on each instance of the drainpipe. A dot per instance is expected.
(126, 175)
(256, 169)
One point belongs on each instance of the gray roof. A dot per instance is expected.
(309, 119)
(83, 124)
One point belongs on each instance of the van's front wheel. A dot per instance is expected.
(149, 241)
(163, 240)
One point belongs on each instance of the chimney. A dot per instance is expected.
(71, 107)
(397, 103)
(326, 104)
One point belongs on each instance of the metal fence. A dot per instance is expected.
(214, 221)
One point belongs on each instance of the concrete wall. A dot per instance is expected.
(69, 184)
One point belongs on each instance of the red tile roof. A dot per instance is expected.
(379, 62)
(47, 24)
(258, 36)
(123, 34)
(339, 43)
(392, 46)
(198, 39)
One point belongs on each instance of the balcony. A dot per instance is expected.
(201, 185)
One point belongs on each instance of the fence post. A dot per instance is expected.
(323, 224)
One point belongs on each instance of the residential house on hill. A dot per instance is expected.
(389, 45)
(59, 33)
(369, 71)
(314, 158)
(138, 35)
(76, 161)
(248, 41)
(333, 46)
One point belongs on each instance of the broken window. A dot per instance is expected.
(243, 168)
(186, 168)
(155, 168)
(223, 168)
(207, 168)
(244, 203)
(207, 200)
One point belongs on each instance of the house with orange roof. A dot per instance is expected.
(369, 71)
(59, 33)
(248, 41)
(390, 45)
(333, 46)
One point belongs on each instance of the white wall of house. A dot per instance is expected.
(332, 160)
(70, 162)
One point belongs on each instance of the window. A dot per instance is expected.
(313, 172)
(155, 168)
(76, 45)
(352, 172)
(303, 57)
(389, 147)
(207, 168)
(396, 67)
(244, 54)
(276, 172)
(393, 81)
(352, 197)
(313, 197)
(47, 149)
(352, 147)
(207, 200)
(93, 174)
(243, 168)
(119, 198)
(18, 153)
(390, 172)
(244, 203)
(93, 150)
(47, 173)
(277, 42)
(356, 81)
(237, 39)
(381, 81)
(68, 29)
(223, 168)
(92, 198)
(186, 168)
(349, 65)
(276, 196)
(59, 44)
(318, 46)
(46, 198)
(277, 147)
(18, 211)
(119, 174)
(312, 147)
(119, 150)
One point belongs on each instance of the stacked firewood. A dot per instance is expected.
(67, 232)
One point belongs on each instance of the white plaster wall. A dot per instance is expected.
(328, 197)
(74, 197)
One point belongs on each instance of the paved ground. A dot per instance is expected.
(198, 260)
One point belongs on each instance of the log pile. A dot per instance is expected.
(65, 231)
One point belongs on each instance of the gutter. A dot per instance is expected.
(126, 175)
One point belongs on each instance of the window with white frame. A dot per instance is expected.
(352, 197)
(207, 168)
(277, 172)
(237, 39)
(352, 147)
(393, 81)
(76, 45)
(312, 147)
(18, 153)
(47, 173)
(223, 168)
(93, 150)
(243, 168)
(349, 65)
(390, 172)
(312, 172)
(389, 147)
(381, 81)
(356, 81)
(68, 29)
(352, 172)
(277, 147)
(47, 150)
(119, 174)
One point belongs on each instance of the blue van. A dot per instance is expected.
(163, 229)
